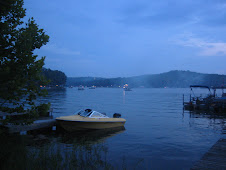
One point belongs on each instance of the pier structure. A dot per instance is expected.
(214, 159)
(42, 122)
(211, 102)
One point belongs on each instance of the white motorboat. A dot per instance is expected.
(81, 88)
(89, 119)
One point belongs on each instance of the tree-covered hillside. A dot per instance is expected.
(55, 77)
(170, 79)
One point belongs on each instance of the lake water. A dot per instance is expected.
(158, 134)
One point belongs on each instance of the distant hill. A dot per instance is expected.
(169, 79)
(55, 77)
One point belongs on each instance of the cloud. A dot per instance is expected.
(60, 50)
(158, 13)
(175, 13)
(214, 49)
(207, 48)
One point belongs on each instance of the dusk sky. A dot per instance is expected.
(121, 38)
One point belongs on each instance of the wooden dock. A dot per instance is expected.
(38, 124)
(214, 159)
(2, 114)
(42, 122)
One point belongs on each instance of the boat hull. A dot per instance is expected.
(78, 125)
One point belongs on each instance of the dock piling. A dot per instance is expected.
(183, 99)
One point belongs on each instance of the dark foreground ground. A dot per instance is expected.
(215, 158)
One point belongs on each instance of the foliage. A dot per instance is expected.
(32, 114)
(24, 119)
(54, 76)
(19, 67)
(43, 154)
(43, 109)
(170, 79)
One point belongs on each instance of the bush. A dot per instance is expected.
(43, 109)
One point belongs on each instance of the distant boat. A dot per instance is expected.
(81, 88)
(92, 87)
(89, 119)
(127, 88)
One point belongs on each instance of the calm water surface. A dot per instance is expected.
(157, 135)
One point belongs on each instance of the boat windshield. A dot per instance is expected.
(97, 115)
(79, 112)
(90, 113)
(85, 113)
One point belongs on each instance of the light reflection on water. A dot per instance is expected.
(157, 134)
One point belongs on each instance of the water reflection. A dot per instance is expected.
(206, 114)
(213, 120)
(92, 136)
(124, 97)
(45, 149)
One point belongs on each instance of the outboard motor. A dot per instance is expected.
(116, 115)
